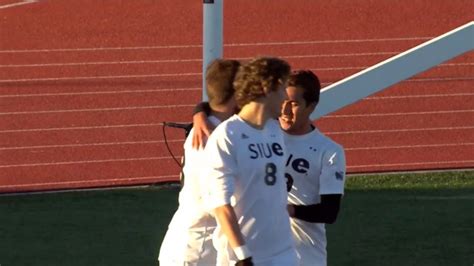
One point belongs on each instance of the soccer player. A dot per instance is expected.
(246, 188)
(188, 240)
(315, 167)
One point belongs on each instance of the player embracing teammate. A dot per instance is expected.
(250, 163)
(188, 240)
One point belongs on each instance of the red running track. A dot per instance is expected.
(85, 86)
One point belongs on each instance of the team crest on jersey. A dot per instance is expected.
(340, 176)
(332, 160)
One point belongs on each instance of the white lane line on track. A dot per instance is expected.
(192, 105)
(80, 128)
(89, 144)
(188, 60)
(98, 92)
(441, 145)
(91, 181)
(161, 124)
(346, 55)
(410, 164)
(199, 60)
(24, 2)
(169, 158)
(101, 77)
(182, 140)
(93, 49)
(331, 55)
(104, 63)
(397, 130)
(98, 109)
(198, 89)
(364, 67)
(329, 41)
(439, 79)
(90, 161)
(399, 114)
(191, 74)
(416, 96)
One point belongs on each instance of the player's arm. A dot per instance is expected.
(227, 220)
(331, 188)
(219, 188)
(324, 212)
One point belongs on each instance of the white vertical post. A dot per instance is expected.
(212, 36)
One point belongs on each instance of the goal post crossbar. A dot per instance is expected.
(395, 69)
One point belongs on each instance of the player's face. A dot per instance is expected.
(276, 99)
(295, 113)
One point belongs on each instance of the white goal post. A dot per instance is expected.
(212, 36)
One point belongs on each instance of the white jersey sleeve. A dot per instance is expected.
(221, 171)
(333, 170)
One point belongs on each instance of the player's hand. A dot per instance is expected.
(245, 262)
(202, 130)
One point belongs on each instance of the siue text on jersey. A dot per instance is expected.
(265, 150)
(300, 165)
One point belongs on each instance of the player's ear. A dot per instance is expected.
(311, 106)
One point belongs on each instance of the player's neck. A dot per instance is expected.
(222, 112)
(302, 130)
(255, 114)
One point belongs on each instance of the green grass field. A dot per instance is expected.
(416, 219)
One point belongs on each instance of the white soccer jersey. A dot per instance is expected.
(246, 170)
(189, 235)
(317, 166)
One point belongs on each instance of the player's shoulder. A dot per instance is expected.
(274, 125)
(228, 126)
(189, 139)
(326, 142)
(227, 130)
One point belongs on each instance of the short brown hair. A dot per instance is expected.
(259, 73)
(220, 75)
(308, 82)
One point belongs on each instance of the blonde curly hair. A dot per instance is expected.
(257, 75)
